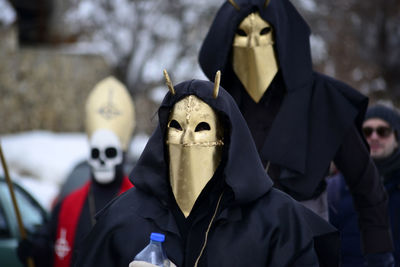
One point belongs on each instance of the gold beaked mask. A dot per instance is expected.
(194, 139)
(254, 60)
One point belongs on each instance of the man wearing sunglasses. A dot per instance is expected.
(381, 128)
(380, 135)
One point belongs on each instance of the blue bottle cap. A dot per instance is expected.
(157, 237)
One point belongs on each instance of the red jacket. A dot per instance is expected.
(68, 217)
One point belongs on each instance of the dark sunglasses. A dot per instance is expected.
(381, 131)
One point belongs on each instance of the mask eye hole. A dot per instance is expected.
(202, 126)
(265, 31)
(175, 124)
(95, 153)
(241, 32)
(111, 152)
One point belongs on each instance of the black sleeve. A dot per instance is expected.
(97, 247)
(307, 258)
(369, 196)
(44, 239)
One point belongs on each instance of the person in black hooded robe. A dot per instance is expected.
(300, 120)
(238, 219)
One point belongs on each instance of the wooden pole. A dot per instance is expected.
(14, 201)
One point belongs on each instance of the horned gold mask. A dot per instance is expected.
(254, 60)
(194, 139)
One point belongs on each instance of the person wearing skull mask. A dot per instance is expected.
(200, 182)
(300, 120)
(109, 125)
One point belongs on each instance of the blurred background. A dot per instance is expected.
(53, 52)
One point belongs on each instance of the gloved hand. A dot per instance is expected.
(24, 250)
(380, 260)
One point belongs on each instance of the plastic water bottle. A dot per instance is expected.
(154, 252)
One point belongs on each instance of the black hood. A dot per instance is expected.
(291, 40)
(243, 171)
(316, 111)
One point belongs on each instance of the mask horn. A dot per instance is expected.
(266, 3)
(233, 3)
(168, 82)
(216, 84)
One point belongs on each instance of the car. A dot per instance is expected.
(33, 216)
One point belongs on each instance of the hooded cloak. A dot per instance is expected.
(305, 120)
(254, 224)
(316, 111)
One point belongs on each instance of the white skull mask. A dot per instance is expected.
(105, 155)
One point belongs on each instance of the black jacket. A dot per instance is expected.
(343, 216)
(305, 120)
(41, 245)
(254, 224)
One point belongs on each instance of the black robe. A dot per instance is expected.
(44, 240)
(305, 120)
(254, 224)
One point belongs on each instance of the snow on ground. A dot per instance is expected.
(41, 160)
(7, 13)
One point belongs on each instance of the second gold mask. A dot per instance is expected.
(254, 59)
